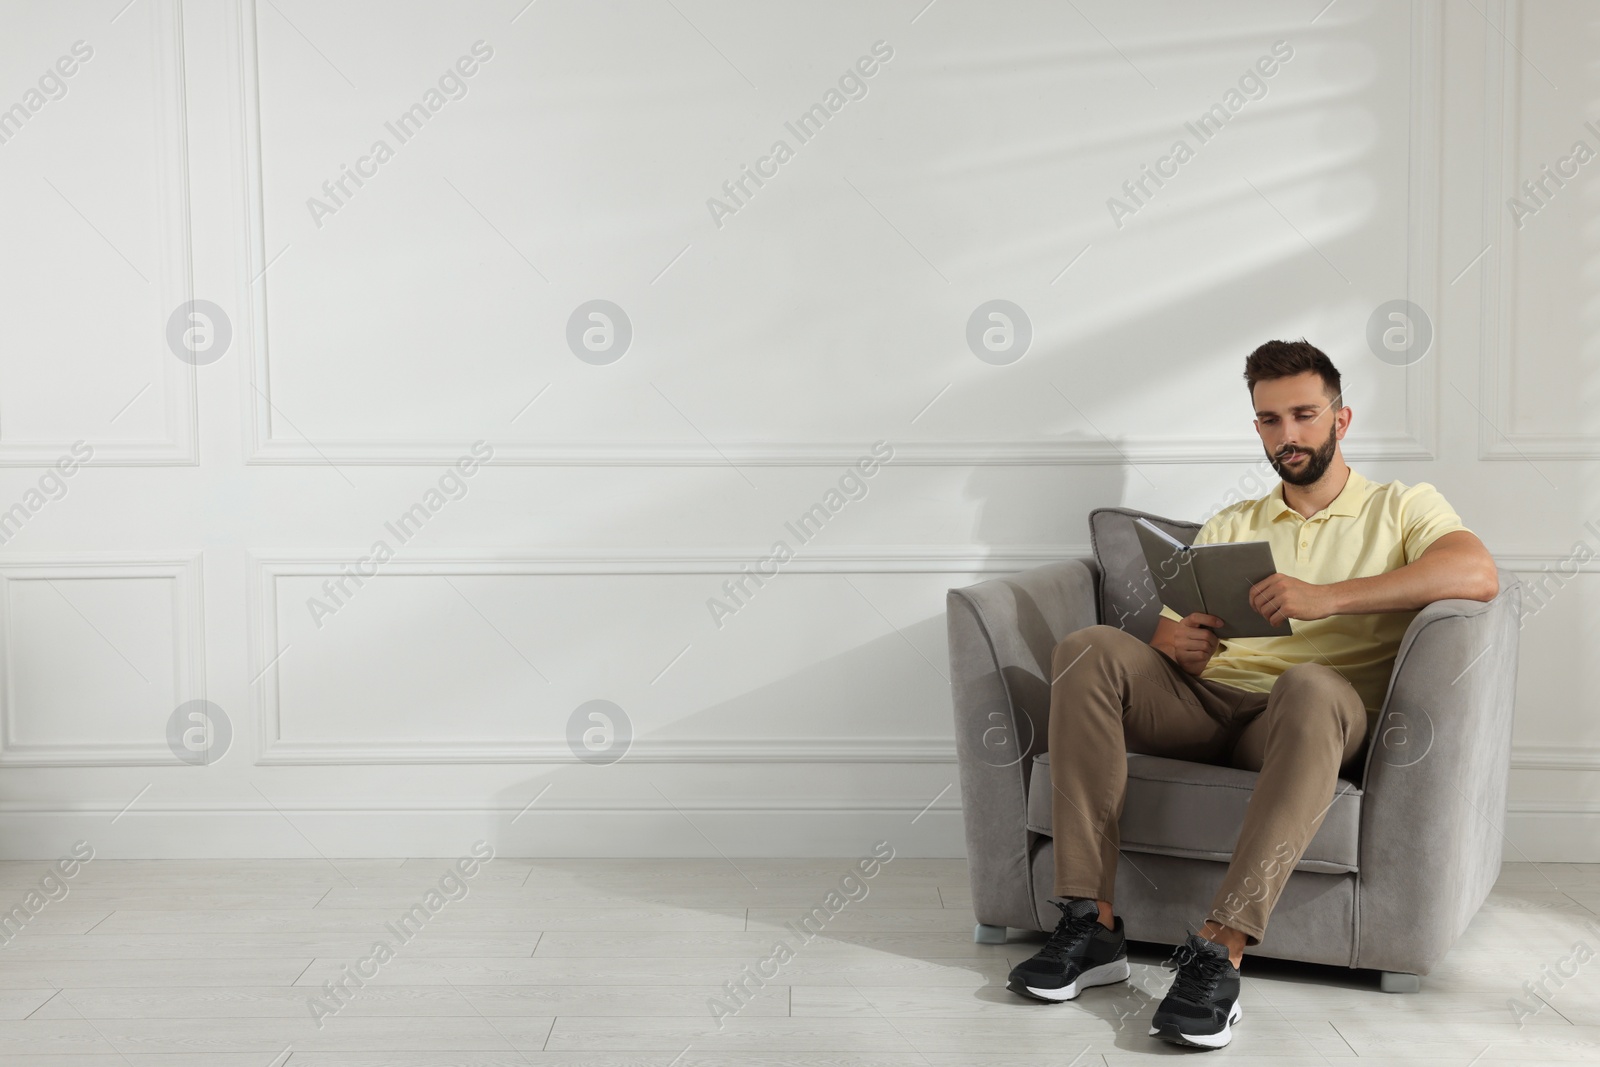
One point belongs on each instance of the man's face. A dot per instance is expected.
(1298, 426)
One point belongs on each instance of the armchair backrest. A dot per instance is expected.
(1127, 596)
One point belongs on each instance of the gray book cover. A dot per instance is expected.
(1215, 579)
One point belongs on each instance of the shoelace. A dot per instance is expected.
(1196, 975)
(1070, 930)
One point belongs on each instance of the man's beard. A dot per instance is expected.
(1314, 467)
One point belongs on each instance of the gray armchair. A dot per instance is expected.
(1405, 856)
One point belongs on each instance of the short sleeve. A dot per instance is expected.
(1209, 533)
(1425, 516)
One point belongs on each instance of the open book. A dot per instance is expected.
(1215, 579)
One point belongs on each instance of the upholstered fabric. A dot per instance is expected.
(1163, 898)
(1432, 824)
(1429, 815)
(1177, 808)
(1002, 633)
(1127, 592)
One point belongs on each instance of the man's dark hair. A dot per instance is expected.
(1285, 359)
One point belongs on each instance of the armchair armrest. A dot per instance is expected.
(1002, 634)
(1435, 785)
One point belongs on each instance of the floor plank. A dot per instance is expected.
(668, 963)
(715, 897)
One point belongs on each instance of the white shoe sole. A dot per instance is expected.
(1216, 1040)
(1105, 974)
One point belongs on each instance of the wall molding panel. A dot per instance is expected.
(1417, 441)
(267, 649)
(188, 654)
(175, 381)
(1499, 438)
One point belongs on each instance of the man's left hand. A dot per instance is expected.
(1280, 597)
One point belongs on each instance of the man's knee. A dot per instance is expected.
(1314, 677)
(1315, 694)
(1090, 640)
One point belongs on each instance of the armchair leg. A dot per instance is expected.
(1398, 982)
(984, 934)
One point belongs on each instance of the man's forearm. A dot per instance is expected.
(1434, 576)
(1161, 640)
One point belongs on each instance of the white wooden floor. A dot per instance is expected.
(200, 963)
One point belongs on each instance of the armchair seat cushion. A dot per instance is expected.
(1177, 808)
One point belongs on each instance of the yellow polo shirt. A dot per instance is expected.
(1368, 529)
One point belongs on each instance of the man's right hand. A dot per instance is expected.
(1193, 640)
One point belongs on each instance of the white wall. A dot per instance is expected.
(377, 337)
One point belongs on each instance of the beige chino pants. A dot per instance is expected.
(1112, 694)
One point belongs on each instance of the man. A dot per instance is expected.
(1356, 560)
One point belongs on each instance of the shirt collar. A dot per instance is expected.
(1348, 502)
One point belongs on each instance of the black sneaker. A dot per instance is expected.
(1203, 1004)
(1081, 953)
